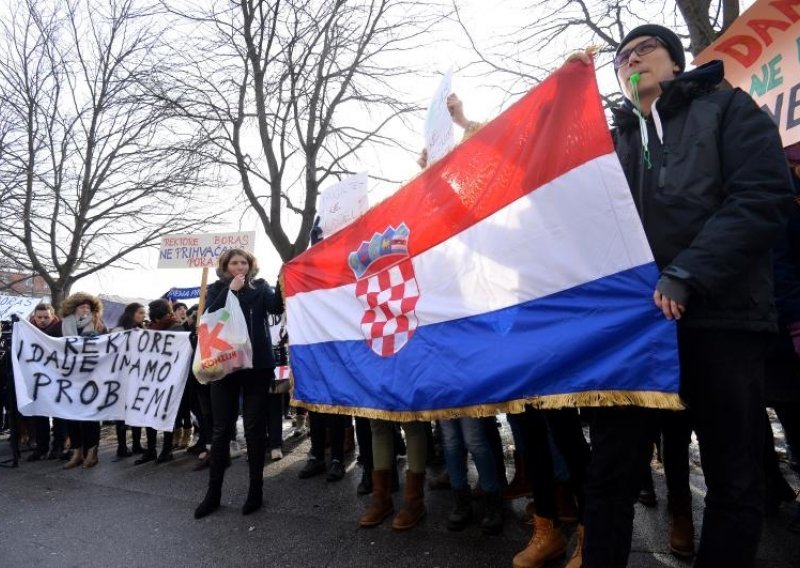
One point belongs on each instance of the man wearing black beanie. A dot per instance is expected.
(711, 185)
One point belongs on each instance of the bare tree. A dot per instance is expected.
(292, 90)
(97, 162)
(527, 54)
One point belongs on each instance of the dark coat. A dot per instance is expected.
(783, 363)
(714, 201)
(256, 301)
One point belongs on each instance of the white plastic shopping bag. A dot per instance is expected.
(223, 345)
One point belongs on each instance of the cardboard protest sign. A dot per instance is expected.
(761, 53)
(342, 203)
(20, 306)
(203, 250)
(136, 375)
(439, 137)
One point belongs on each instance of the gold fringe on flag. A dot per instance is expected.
(646, 399)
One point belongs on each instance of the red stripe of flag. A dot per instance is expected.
(556, 127)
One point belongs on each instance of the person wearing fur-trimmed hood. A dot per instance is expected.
(81, 315)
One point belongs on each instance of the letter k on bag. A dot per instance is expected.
(208, 340)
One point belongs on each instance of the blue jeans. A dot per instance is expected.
(460, 435)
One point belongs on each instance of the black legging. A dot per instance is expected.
(673, 430)
(364, 437)
(152, 438)
(184, 417)
(252, 383)
(83, 434)
(204, 414)
(319, 423)
(565, 427)
(275, 420)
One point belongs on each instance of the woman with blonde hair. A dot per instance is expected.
(237, 270)
(81, 315)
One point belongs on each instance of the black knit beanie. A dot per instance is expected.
(671, 41)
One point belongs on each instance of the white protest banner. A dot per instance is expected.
(439, 138)
(761, 53)
(19, 306)
(342, 203)
(136, 375)
(203, 250)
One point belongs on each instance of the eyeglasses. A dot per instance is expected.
(640, 49)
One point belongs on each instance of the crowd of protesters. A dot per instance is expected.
(724, 225)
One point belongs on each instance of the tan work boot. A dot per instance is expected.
(413, 508)
(681, 527)
(381, 505)
(576, 560)
(75, 460)
(91, 458)
(546, 544)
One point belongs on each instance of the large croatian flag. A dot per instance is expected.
(513, 270)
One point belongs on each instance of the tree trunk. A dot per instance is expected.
(701, 31)
(59, 291)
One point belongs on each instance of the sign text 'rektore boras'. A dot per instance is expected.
(197, 251)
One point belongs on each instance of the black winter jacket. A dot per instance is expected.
(256, 301)
(715, 199)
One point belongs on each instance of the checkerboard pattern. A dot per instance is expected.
(389, 298)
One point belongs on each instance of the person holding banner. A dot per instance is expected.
(81, 315)
(712, 188)
(44, 317)
(161, 319)
(132, 317)
(237, 270)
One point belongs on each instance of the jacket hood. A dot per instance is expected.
(73, 301)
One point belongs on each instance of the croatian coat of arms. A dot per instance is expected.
(387, 288)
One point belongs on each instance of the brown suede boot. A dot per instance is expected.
(681, 527)
(546, 544)
(413, 502)
(381, 505)
(576, 560)
(519, 486)
(91, 458)
(75, 460)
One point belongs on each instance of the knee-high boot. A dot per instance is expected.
(413, 502)
(381, 505)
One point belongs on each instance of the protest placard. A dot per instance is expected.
(439, 138)
(761, 53)
(136, 375)
(176, 294)
(20, 306)
(202, 250)
(342, 203)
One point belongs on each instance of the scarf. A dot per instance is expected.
(73, 325)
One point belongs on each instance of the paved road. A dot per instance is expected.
(118, 514)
